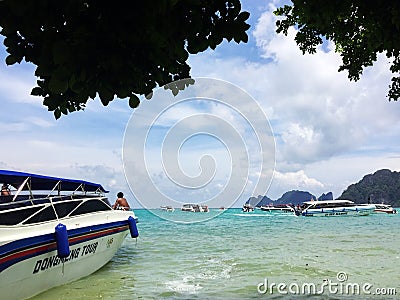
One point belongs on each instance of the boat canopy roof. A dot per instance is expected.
(328, 201)
(41, 182)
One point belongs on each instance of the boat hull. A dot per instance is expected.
(356, 211)
(30, 265)
(278, 210)
(385, 211)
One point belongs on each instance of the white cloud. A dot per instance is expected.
(40, 122)
(265, 34)
(294, 181)
(316, 113)
(16, 83)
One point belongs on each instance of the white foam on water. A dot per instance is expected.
(186, 285)
(210, 274)
(216, 269)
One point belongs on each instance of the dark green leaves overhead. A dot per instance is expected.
(134, 101)
(88, 48)
(360, 29)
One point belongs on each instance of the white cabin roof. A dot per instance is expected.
(328, 201)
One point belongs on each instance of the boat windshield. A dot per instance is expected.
(334, 204)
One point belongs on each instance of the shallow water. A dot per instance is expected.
(229, 256)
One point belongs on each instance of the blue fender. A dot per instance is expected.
(61, 236)
(133, 227)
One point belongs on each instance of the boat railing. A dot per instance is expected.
(25, 210)
(44, 198)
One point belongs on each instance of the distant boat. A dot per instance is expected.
(384, 208)
(194, 208)
(335, 208)
(167, 208)
(278, 208)
(247, 207)
(54, 231)
(188, 207)
(204, 208)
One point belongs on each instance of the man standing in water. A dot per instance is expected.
(121, 202)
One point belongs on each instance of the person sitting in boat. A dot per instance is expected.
(121, 202)
(5, 190)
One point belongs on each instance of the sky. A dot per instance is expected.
(327, 132)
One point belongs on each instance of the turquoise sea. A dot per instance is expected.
(238, 255)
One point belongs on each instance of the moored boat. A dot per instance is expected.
(167, 208)
(247, 207)
(384, 208)
(188, 207)
(204, 208)
(194, 208)
(54, 231)
(278, 208)
(335, 208)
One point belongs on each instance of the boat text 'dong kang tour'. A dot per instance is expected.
(54, 231)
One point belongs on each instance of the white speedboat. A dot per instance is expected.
(335, 208)
(167, 208)
(54, 231)
(384, 208)
(247, 207)
(278, 208)
(194, 208)
(204, 208)
(188, 207)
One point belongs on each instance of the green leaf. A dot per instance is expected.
(106, 96)
(60, 52)
(134, 101)
(76, 85)
(11, 59)
(57, 85)
(243, 16)
(10, 41)
(57, 114)
(123, 93)
(37, 91)
(149, 96)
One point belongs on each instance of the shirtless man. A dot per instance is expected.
(121, 202)
(5, 190)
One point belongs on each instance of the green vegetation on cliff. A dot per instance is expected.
(381, 187)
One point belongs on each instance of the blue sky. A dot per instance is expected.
(329, 132)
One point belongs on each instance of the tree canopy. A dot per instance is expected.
(360, 30)
(88, 48)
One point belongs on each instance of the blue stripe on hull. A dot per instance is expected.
(16, 251)
(339, 212)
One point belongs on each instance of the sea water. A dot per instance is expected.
(256, 255)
